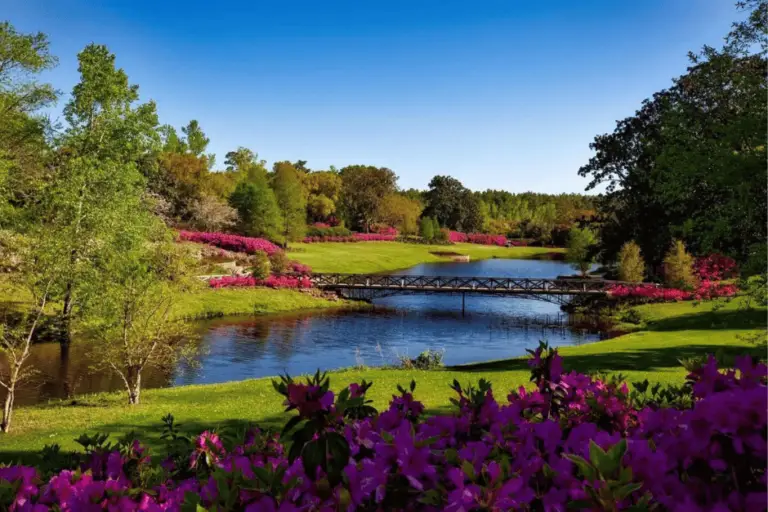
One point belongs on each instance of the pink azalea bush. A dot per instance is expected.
(383, 229)
(706, 290)
(478, 238)
(715, 267)
(571, 442)
(234, 243)
(273, 281)
(299, 268)
(356, 237)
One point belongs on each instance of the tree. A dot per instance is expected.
(172, 143)
(323, 189)
(134, 324)
(257, 209)
(210, 214)
(631, 264)
(291, 202)
(181, 180)
(691, 161)
(426, 229)
(97, 189)
(579, 252)
(453, 205)
(678, 267)
(15, 344)
(23, 148)
(197, 142)
(400, 212)
(363, 191)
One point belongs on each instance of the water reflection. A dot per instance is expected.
(250, 347)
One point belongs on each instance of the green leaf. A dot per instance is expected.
(626, 490)
(468, 469)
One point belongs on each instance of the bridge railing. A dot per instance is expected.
(455, 283)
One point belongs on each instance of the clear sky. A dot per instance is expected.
(500, 94)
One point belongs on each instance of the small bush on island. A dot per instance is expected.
(261, 265)
(427, 360)
(279, 262)
(573, 441)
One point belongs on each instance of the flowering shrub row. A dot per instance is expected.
(326, 230)
(480, 238)
(234, 243)
(573, 442)
(715, 267)
(706, 290)
(383, 229)
(273, 281)
(357, 237)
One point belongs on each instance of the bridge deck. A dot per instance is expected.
(449, 284)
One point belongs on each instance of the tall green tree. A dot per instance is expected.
(691, 162)
(631, 265)
(363, 191)
(256, 207)
(291, 200)
(197, 142)
(453, 205)
(426, 229)
(97, 191)
(23, 148)
(580, 251)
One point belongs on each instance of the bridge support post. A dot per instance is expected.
(463, 295)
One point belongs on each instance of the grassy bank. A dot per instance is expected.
(208, 303)
(670, 332)
(371, 257)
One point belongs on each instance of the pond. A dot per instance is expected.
(238, 348)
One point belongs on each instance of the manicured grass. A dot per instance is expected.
(372, 257)
(207, 302)
(673, 331)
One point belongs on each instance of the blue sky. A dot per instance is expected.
(499, 94)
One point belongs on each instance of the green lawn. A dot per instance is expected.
(207, 302)
(371, 257)
(673, 331)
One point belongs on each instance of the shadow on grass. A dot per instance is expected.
(149, 434)
(714, 320)
(613, 362)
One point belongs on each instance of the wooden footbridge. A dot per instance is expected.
(369, 287)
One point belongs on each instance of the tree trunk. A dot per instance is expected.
(66, 315)
(134, 387)
(5, 426)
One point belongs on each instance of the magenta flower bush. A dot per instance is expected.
(715, 267)
(299, 268)
(273, 281)
(383, 229)
(480, 238)
(571, 442)
(234, 243)
(706, 290)
(356, 237)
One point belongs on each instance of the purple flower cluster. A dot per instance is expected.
(233, 243)
(573, 441)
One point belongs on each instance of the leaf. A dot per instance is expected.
(290, 425)
(468, 469)
(314, 456)
(626, 490)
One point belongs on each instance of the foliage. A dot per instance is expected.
(715, 267)
(631, 264)
(257, 208)
(291, 201)
(427, 360)
(279, 262)
(400, 212)
(427, 229)
(580, 250)
(272, 281)
(211, 214)
(326, 230)
(323, 189)
(235, 243)
(678, 267)
(453, 205)
(22, 128)
(262, 264)
(573, 441)
(706, 290)
(356, 237)
(363, 191)
(691, 162)
(97, 191)
(136, 293)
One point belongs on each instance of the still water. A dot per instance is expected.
(247, 347)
